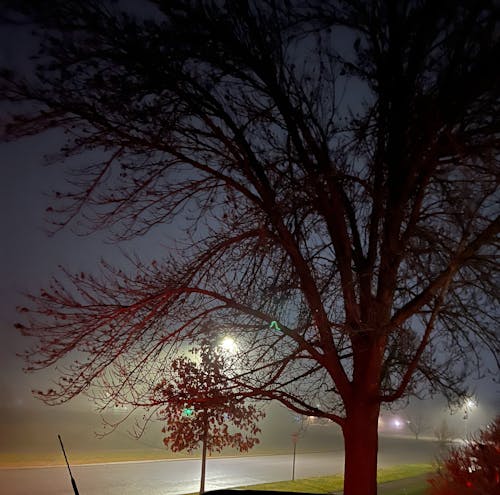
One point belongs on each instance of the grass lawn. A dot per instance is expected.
(412, 482)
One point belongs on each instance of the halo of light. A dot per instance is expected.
(397, 423)
(229, 345)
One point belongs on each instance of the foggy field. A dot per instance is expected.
(30, 439)
(29, 436)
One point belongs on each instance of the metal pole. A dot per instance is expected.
(204, 454)
(295, 439)
(73, 482)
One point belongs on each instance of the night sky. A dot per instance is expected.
(29, 255)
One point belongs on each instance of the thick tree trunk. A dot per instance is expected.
(361, 447)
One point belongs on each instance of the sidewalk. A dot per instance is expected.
(415, 485)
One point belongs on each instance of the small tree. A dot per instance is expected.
(199, 407)
(473, 468)
(443, 432)
(417, 423)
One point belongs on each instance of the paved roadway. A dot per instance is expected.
(175, 477)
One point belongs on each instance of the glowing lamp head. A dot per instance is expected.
(229, 345)
(397, 423)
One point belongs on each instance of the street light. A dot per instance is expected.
(229, 345)
(469, 405)
(397, 423)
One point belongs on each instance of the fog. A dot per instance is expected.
(29, 431)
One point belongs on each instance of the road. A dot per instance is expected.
(175, 477)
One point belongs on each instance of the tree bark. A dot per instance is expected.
(361, 442)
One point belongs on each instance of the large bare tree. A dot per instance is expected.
(335, 166)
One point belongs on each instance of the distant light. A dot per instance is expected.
(188, 411)
(470, 403)
(229, 345)
(397, 423)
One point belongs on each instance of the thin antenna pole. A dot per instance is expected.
(73, 482)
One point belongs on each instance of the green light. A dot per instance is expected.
(274, 324)
(188, 411)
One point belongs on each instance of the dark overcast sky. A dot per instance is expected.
(29, 256)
